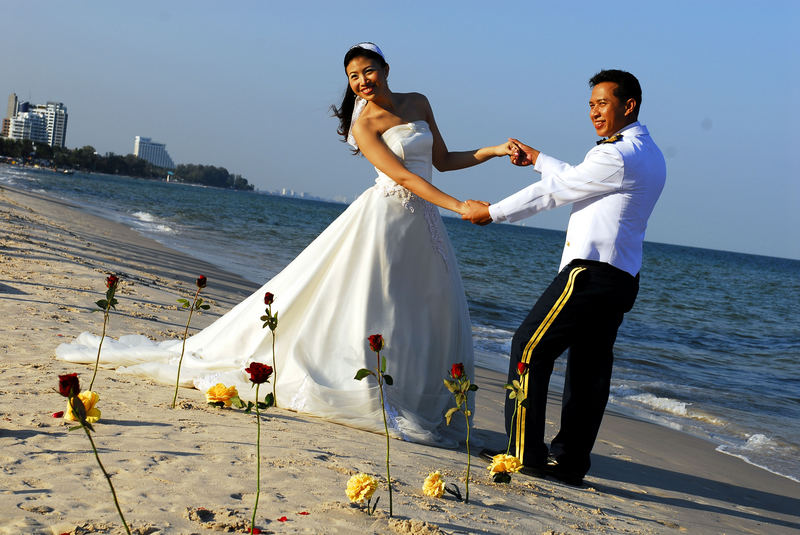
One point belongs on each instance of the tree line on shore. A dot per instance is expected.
(87, 159)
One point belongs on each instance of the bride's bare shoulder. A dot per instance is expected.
(414, 104)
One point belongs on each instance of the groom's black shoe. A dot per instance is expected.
(562, 473)
(533, 471)
(488, 454)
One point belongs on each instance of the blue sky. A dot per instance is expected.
(247, 86)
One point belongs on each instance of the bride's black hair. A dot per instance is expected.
(345, 112)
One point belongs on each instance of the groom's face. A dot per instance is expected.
(607, 112)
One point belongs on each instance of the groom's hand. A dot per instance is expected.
(522, 154)
(477, 212)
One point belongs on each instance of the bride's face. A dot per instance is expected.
(367, 77)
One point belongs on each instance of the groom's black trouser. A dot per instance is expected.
(580, 311)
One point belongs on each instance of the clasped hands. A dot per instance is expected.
(519, 154)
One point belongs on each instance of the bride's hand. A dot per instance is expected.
(505, 149)
(477, 212)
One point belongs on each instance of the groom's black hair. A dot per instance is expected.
(345, 112)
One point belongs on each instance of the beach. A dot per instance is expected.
(192, 469)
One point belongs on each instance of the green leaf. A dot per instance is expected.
(205, 307)
(473, 388)
(516, 384)
(375, 506)
(183, 301)
(264, 318)
(451, 386)
(74, 427)
(110, 294)
(269, 400)
(512, 394)
(388, 379)
(467, 412)
(363, 372)
(449, 414)
(237, 402)
(383, 364)
(250, 405)
(508, 387)
(102, 303)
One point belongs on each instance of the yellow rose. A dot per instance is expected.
(360, 487)
(220, 392)
(89, 400)
(505, 463)
(434, 485)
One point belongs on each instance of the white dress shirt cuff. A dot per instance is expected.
(498, 216)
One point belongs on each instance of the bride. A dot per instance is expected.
(385, 266)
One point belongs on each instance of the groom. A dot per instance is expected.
(612, 192)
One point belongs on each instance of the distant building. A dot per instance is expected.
(28, 125)
(155, 153)
(42, 123)
(12, 106)
(56, 116)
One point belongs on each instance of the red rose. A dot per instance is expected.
(68, 385)
(522, 368)
(112, 281)
(259, 373)
(375, 342)
(268, 298)
(201, 281)
(457, 370)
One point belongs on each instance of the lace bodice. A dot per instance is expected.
(413, 143)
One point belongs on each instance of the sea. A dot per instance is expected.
(711, 347)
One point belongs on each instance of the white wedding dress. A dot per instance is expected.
(385, 266)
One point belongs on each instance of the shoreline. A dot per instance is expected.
(645, 478)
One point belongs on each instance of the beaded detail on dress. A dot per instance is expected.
(390, 188)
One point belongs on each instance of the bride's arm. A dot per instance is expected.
(376, 151)
(445, 160)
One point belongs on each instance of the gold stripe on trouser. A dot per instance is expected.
(529, 347)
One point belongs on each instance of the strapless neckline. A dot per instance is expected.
(410, 123)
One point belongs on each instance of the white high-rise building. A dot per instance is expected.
(42, 123)
(28, 125)
(155, 153)
(56, 116)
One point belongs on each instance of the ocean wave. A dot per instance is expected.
(144, 216)
(670, 406)
(147, 222)
(765, 453)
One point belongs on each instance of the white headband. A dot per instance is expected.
(369, 46)
(359, 104)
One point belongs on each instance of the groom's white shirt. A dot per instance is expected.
(613, 192)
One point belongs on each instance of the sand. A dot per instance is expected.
(192, 469)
